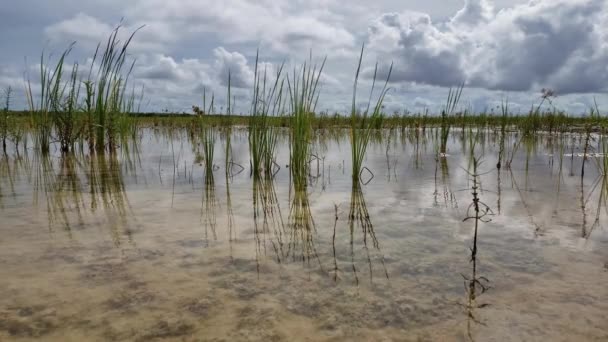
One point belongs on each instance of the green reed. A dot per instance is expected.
(228, 134)
(4, 119)
(51, 96)
(504, 107)
(588, 128)
(106, 96)
(303, 95)
(66, 112)
(267, 102)
(204, 131)
(447, 113)
(99, 115)
(362, 125)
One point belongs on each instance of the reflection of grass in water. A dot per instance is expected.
(294, 241)
(358, 217)
(204, 147)
(232, 235)
(207, 136)
(267, 219)
(448, 195)
(600, 184)
(11, 169)
(228, 174)
(5, 174)
(302, 228)
(130, 149)
(538, 229)
(106, 187)
(66, 194)
(208, 207)
(64, 184)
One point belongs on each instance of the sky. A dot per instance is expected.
(501, 50)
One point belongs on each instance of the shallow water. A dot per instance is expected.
(143, 245)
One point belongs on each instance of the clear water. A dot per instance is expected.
(142, 245)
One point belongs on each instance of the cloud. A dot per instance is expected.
(474, 13)
(275, 24)
(81, 27)
(178, 84)
(422, 53)
(89, 31)
(560, 44)
(241, 75)
(189, 45)
(420, 102)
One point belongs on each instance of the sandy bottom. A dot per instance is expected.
(162, 279)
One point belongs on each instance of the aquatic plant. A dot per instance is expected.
(267, 101)
(303, 94)
(209, 205)
(4, 122)
(504, 107)
(588, 128)
(106, 96)
(58, 108)
(446, 115)
(361, 125)
(51, 95)
(228, 161)
(479, 212)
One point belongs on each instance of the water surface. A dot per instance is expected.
(143, 244)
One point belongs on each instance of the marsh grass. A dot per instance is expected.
(51, 96)
(4, 119)
(108, 90)
(208, 137)
(600, 185)
(590, 124)
(267, 101)
(227, 130)
(447, 113)
(98, 115)
(504, 108)
(303, 95)
(362, 125)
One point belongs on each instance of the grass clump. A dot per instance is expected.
(99, 115)
(106, 94)
(267, 102)
(362, 125)
(303, 95)
(4, 125)
(447, 113)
